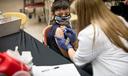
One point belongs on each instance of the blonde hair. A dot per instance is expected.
(95, 11)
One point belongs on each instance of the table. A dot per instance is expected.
(42, 55)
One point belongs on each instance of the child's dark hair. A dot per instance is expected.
(60, 4)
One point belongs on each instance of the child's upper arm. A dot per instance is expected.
(59, 33)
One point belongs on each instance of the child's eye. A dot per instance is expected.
(60, 14)
(63, 14)
(67, 14)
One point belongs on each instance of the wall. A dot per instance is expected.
(11, 5)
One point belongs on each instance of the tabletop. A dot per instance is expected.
(42, 55)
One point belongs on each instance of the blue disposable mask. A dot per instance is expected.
(62, 19)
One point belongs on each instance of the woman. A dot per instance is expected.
(102, 39)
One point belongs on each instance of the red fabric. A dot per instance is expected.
(9, 66)
(46, 34)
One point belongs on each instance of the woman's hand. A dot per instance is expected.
(62, 43)
(70, 34)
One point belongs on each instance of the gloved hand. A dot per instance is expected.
(62, 43)
(70, 34)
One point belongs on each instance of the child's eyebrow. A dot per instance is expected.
(60, 14)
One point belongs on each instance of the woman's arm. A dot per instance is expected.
(71, 53)
(86, 51)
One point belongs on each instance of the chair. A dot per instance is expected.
(20, 15)
(45, 34)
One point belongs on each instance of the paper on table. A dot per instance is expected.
(56, 70)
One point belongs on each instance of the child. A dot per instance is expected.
(61, 26)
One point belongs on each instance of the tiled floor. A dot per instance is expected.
(35, 28)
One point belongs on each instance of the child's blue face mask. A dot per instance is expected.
(63, 20)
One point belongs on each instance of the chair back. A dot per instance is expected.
(20, 15)
(45, 34)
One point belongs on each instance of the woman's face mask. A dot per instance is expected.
(64, 20)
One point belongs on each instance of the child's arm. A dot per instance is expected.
(60, 34)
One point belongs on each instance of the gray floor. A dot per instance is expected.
(32, 27)
(35, 28)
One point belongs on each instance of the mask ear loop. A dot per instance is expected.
(69, 16)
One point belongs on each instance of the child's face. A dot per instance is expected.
(62, 12)
(62, 16)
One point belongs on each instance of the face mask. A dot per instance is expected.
(62, 19)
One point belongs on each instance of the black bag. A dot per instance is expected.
(121, 10)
